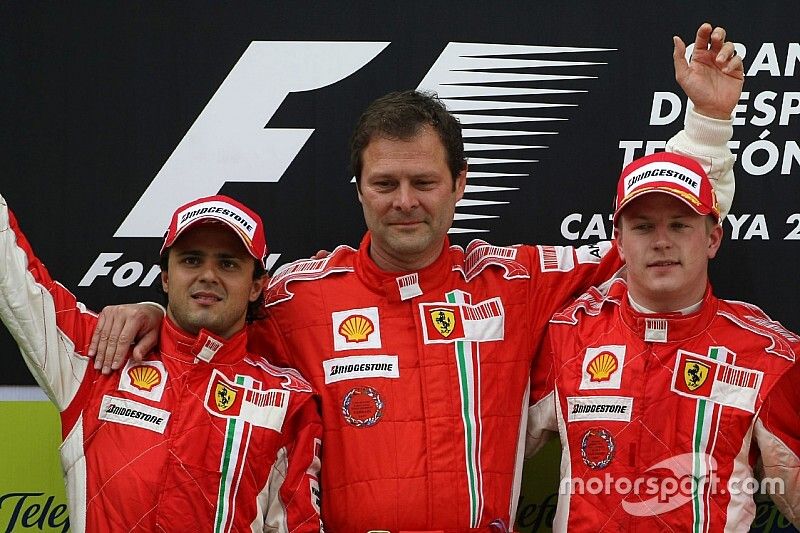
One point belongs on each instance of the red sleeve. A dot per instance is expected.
(265, 339)
(542, 420)
(562, 273)
(543, 371)
(294, 481)
(777, 433)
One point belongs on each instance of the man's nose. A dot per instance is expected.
(405, 198)
(661, 237)
(208, 272)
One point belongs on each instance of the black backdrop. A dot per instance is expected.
(97, 97)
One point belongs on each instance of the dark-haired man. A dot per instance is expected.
(202, 435)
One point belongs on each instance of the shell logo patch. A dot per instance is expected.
(444, 320)
(602, 366)
(224, 396)
(356, 328)
(144, 377)
(695, 374)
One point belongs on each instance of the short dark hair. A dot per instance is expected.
(400, 115)
(255, 310)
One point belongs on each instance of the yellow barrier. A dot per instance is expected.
(32, 493)
(32, 496)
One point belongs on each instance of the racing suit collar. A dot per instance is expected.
(400, 286)
(666, 327)
(205, 346)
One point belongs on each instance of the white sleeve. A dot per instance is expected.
(50, 327)
(705, 140)
(542, 424)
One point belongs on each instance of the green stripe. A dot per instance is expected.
(701, 408)
(230, 434)
(713, 353)
(468, 430)
(460, 347)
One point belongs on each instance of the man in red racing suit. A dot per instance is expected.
(200, 436)
(663, 409)
(423, 375)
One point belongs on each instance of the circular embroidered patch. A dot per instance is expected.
(597, 448)
(362, 407)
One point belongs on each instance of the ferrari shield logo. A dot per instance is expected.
(694, 374)
(444, 320)
(224, 397)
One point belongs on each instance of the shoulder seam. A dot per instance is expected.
(480, 255)
(759, 323)
(303, 270)
(293, 380)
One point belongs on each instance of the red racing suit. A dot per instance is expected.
(201, 436)
(646, 403)
(423, 375)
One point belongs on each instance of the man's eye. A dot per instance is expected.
(229, 265)
(191, 260)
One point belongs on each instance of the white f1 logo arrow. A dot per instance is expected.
(228, 141)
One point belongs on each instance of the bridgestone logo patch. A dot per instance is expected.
(221, 211)
(133, 413)
(360, 366)
(662, 171)
(599, 408)
(365, 367)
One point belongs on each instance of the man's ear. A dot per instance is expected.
(618, 242)
(358, 190)
(714, 240)
(165, 280)
(461, 183)
(258, 287)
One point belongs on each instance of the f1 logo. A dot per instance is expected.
(228, 141)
